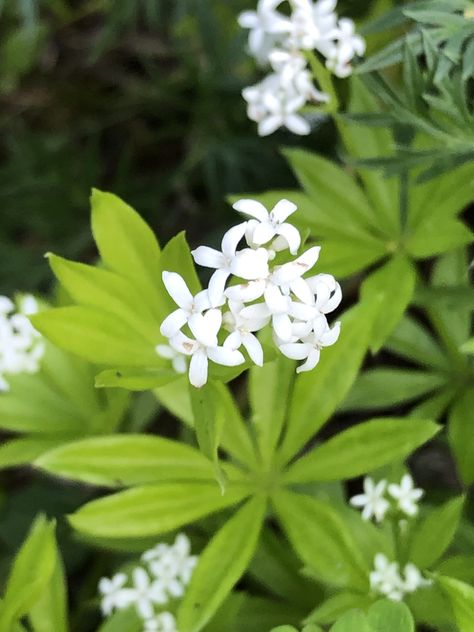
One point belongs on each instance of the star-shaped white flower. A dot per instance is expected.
(327, 291)
(348, 45)
(385, 579)
(406, 495)
(205, 346)
(187, 303)
(247, 263)
(112, 593)
(310, 347)
(145, 593)
(242, 331)
(289, 276)
(413, 579)
(264, 24)
(372, 501)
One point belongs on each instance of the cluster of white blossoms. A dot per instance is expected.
(165, 572)
(296, 307)
(279, 42)
(21, 346)
(403, 497)
(387, 580)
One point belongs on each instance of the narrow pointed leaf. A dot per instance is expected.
(461, 596)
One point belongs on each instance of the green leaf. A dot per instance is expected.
(434, 534)
(458, 566)
(153, 509)
(108, 291)
(461, 435)
(362, 448)
(127, 460)
(393, 286)
(176, 257)
(50, 611)
(317, 394)
(321, 539)
(435, 236)
(383, 388)
(30, 573)
(128, 246)
(135, 379)
(126, 620)
(346, 255)
(352, 621)
(461, 596)
(221, 565)
(412, 341)
(92, 334)
(390, 616)
(25, 450)
(336, 605)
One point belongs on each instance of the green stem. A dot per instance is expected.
(323, 77)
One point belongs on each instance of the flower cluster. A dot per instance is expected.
(387, 580)
(295, 306)
(165, 572)
(375, 505)
(21, 346)
(279, 42)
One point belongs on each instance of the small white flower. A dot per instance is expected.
(164, 622)
(266, 225)
(407, 495)
(205, 346)
(372, 501)
(247, 264)
(310, 347)
(385, 579)
(294, 75)
(113, 595)
(314, 24)
(187, 303)
(348, 45)
(327, 291)
(289, 276)
(178, 360)
(242, 331)
(145, 593)
(413, 579)
(172, 565)
(265, 23)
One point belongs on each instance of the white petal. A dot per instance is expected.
(165, 351)
(179, 364)
(311, 362)
(144, 608)
(201, 301)
(205, 327)
(276, 302)
(259, 311)
(231, 239)
(217, 286)
(301, 289)
(177, 289)
(250, 264)
(282, 326)
(183, 343)
(173, 323)
(269, 125)
(141, 579)
(254, 348)
(282, 210)
(320, 326)
(291, 235)
(331, 336)
(226, 357)
(233, 340)
(208, 257)
(198, 369)
(296, 350)
(246, 292)
(301, 311)
(252, 208)
(297, 124)
(263, 233)
(248, 19)
(334, 301)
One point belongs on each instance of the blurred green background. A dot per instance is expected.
(141, 97)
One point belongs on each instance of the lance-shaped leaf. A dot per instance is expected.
(393, 286)
(336, 605)
(461, 436)
(50, 611)
(316, 394)
(434, 534)
(127, 460)
(461, 597)
(153, 509)
(25, 450)
(389, 615)
(321, 539)
(221, 565)
(30, 574)
(412, 341)
(135, 379)
(362, 448)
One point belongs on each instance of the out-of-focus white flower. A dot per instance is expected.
(348, 45)
(413, 579)
(385, 579)
(188, 305)
(292, 70)
(242, 331)
(310, 347)
(113, 594)
(247, 263)
(314, 24)
(266, 24)
(145, 593)
(205, 346)
(268, 224)
(178, 360)
(372, 501)
(406, 495)
(163, 622)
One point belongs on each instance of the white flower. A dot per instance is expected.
(145, 593)
(205, 346)
(187, 303)
(289, 276)
(327, 291)
(178, 360)
(310, 347)
(247, 263)
(414, 579)
(372, 501)
(406, 495)
(314, 24)
(164, 622)
(113, 595)
(385, 579)
(242, 329)
(348, 45)
(267, 225)
(294, 75)
(172, 565)
(264, 24)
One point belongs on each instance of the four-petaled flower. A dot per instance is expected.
(310, 347)
(188, 305)
(373, 501)
(406, 495)
(113, 593)
(385, 579)
(145, 593)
